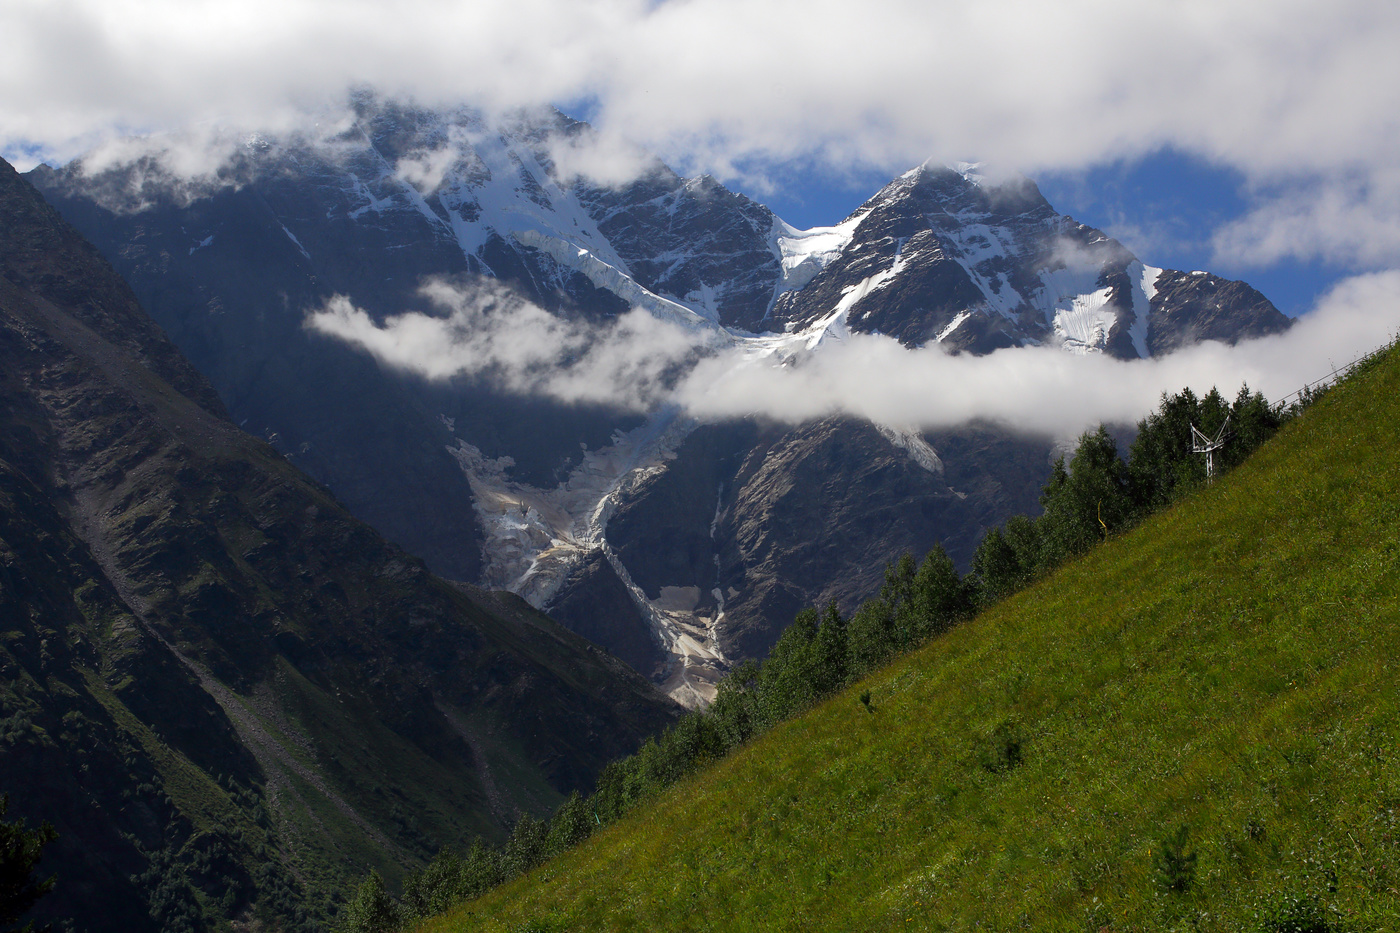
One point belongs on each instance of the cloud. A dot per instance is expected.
(741, 88)
(426, 170)
(640, 363)
(1349, 219)
(483, 331)
(1040, 390)
(604, 158)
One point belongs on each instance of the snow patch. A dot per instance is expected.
(911, 441)
(952, 326)
(1083, 325)
(293, 238)
(372, 202)
(535, 537)
(1144, 279)
(834, 326)
(609, 277)
(804, 253)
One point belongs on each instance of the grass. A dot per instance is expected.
(384, 778)
(1227, 667)
(197, 795)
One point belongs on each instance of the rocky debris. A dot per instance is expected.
(490, 486)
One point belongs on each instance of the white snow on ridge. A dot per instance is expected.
(1083, 326)
(1144, 279)
(804, 253)
(833, 326)
(487, 185)
(969, 171)
(504, 204)
(975, 246)
(1148, 282)
(371, 201)
(953, 325)
(609, 277)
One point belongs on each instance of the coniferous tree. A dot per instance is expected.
(940, 597)
(898, 588)
(1024, 537)
(526, 847)
(786, 681)
(1085, 503)
(898, 593)
(371, 910)
(432, 890)
(571, 824)
(1162, 466)
(479, 872)
(996, 568)
(735, 707)
(832, 649)
(870, 636)
(20, 851)
(1252, 422)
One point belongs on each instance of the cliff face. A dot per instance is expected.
(715, 538)
(230, 696)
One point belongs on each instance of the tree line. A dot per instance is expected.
(1095, 495)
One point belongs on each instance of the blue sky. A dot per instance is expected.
(1203, 134)
(1199, 132)
(1166, 207)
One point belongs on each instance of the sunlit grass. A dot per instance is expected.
(1227, 666)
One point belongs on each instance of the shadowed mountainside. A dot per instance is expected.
(229, 696)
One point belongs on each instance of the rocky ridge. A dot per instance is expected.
(230, 696)
(718, 532)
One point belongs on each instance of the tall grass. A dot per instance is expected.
(1214, 689)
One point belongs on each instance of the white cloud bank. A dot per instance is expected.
(638, 362)
(487, 332)
(1299, 95)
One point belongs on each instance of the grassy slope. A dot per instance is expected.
(1229, 665)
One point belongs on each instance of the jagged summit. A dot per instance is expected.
(715, 538)
(942, 254)
(964, 186)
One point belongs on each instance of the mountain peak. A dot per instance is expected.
(968, 171)
(964, 188)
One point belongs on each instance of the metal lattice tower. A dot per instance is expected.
(1201, 444)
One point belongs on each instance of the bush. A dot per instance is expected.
(371, 910)
(1173, 864)
(20, 851)
(1002, 750)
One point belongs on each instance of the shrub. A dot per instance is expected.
(1173, 864)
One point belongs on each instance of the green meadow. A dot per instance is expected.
(1192, 727)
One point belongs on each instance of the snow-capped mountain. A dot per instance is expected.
(940, 254)
(679, 546)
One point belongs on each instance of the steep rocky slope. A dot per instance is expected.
(569, 504)
(228, 695)
(942, 254)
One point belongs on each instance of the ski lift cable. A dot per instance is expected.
(1330, 377)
